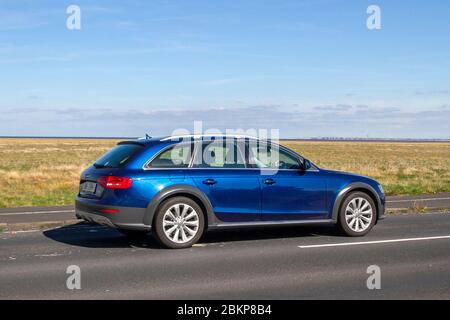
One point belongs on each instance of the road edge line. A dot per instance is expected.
(343, 244)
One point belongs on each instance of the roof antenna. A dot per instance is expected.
(147, 136)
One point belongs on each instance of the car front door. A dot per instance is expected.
(219, 170)
(288, 191)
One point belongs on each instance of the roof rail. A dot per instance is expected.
(146, 137)
(198, 136)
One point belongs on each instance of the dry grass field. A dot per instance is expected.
(401, 167)
(36, 172)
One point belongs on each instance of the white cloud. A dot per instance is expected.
(346, 121)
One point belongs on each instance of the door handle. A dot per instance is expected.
(209, 182)
(269, 182)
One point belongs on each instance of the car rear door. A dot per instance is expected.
(219, 170)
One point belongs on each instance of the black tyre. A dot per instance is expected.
(178, 223)
(357, 214)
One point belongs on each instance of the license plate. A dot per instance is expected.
(88, 187)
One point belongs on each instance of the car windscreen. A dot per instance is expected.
(118, 156)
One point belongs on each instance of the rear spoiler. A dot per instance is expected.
(136, 142)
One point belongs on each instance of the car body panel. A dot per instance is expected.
(235, 194)
(294, 195)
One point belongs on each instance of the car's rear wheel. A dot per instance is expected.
(357, 215)
(179, 223)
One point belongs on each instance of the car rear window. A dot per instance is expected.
(118, 156)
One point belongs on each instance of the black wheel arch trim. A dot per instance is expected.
(180, 190)
(352, 187)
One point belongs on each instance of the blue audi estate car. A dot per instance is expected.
(178, 187)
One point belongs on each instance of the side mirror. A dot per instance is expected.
(306, 164)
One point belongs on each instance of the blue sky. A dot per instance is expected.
(308, 68)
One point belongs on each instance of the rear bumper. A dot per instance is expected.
(125, 218)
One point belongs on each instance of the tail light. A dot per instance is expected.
(112, 182)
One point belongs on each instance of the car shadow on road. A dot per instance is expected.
(267, 233)
(94, 236)
(90, 235)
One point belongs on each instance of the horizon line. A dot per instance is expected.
(331, 139)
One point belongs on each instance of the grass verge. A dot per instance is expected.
(41, 172)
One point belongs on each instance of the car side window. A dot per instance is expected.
(271, 156)
(221, 153)
(178, 156)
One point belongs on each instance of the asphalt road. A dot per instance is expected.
(64, 213)
(412, 251)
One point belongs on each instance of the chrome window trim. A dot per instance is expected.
(294, 154)
(145, 167)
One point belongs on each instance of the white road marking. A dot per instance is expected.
(53, 229)
(33, 212)
(49, 255)
(371, 242)
(199, 245)
(413, 200)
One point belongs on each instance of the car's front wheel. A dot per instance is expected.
(357, 215)
(179, 223)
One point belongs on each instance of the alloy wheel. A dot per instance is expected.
(359, 214)
(180, 223)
